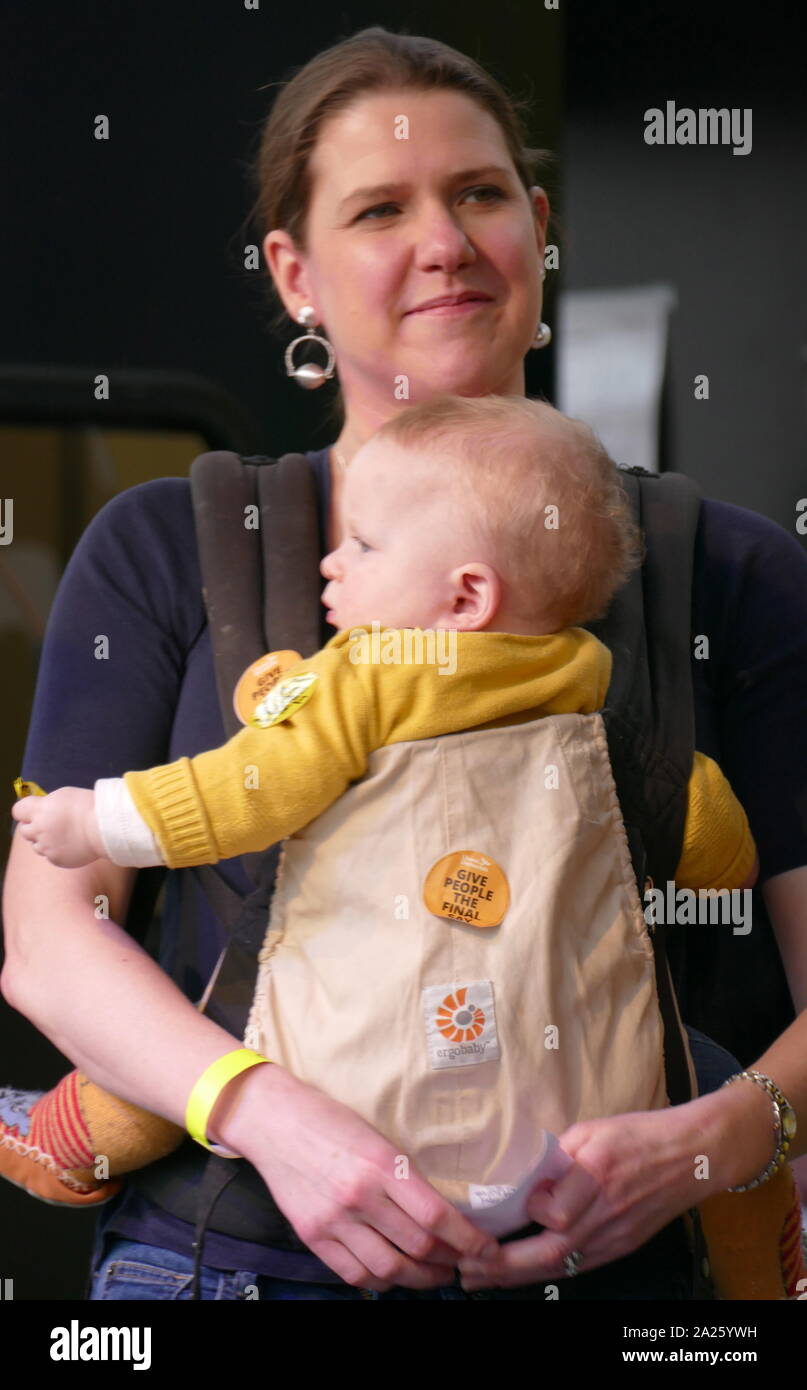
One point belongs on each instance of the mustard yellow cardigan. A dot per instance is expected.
(266, 783)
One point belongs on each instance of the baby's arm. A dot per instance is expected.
(256, 789)
(718, 850)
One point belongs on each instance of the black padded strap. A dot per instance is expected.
(257, 532)
(649, 714)
(291, 555)
(222, 488)
(261, 591)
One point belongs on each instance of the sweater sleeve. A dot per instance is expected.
(719, 849)
(264, 783)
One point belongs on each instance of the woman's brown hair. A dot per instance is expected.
(372, 60)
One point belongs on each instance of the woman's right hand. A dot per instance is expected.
(335, 1179)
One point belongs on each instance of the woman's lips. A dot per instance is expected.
(451, 310)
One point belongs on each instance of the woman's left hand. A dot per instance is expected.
(632, 1174)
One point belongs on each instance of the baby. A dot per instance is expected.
(497, 522)
(500, 524)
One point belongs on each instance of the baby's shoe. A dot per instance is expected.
(26, 1161)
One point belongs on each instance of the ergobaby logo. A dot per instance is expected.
(459, 1020)
(460, 1024)
(75, 1343)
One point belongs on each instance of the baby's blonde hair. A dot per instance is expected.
(540, 490)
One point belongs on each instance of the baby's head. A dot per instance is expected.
(485, 513)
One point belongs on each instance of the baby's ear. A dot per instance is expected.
(477, 594)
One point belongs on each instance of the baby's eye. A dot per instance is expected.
(362, 544)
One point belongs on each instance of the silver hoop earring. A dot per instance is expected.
(543, 336)
(309, 375)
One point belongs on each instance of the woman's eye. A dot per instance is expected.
(489, 188)
(384, 208)
(380, 207)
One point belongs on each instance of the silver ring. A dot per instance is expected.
(572, 1263)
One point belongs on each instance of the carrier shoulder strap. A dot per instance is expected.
(649, 709)
(649, 713)
(257, 529)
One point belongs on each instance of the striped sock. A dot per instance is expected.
(58, 1126)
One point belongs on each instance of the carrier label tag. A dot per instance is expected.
(467, 887)
(460, 1024)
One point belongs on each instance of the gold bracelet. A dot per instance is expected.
(784, 1125)
(207, 1090)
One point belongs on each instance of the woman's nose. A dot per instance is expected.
(441, 241)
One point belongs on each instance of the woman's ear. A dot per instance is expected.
(287, 268)
(540, 209)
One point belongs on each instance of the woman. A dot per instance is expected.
(392, 174)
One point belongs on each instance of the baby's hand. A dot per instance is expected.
(61, 826)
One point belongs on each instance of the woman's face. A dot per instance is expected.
(394, 222)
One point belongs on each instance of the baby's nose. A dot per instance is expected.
(328, 566)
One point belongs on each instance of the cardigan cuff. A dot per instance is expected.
(168, 796)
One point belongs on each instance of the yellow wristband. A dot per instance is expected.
(207, 1090)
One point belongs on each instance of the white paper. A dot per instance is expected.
(500, 1208)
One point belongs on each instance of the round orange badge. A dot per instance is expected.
(467, 887)
(258, 679)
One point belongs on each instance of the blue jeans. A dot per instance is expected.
(125, 1269)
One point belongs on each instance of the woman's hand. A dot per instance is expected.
(632, 1174)
(356, 1203)
(62, 827)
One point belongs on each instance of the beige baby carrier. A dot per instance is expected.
(380, 982)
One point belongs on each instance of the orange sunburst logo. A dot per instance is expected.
(457, 1020)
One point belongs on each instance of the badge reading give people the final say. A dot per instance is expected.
(258, 679)
(467, 887)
